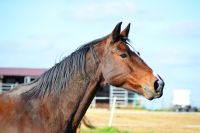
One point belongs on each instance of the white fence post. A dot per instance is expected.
(112, 112)
(93, 104)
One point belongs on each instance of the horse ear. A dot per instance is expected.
(116, 32)
(125, 32)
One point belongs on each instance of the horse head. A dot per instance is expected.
(123, 67)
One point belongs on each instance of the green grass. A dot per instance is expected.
(108, 130)
(103, 130)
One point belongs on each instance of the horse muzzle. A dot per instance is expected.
(158, 86)
(158, 89)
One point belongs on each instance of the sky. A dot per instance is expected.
(39, 33)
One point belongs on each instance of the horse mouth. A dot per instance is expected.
(150, 95)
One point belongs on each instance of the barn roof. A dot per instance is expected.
(21, 71)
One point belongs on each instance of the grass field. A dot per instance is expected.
(143, 122)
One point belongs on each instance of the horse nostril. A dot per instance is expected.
(156, 86)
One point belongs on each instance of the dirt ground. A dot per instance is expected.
(146, 122)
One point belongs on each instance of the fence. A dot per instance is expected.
(6, 87)
(122, 96)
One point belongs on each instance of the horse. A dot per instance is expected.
(57, 100)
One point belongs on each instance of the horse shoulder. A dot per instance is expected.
(7, 106)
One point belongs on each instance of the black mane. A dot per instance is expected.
(58, 77)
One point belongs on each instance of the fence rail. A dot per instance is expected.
(6, 87)
(121, 95)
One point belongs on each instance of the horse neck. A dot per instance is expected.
(77, 97)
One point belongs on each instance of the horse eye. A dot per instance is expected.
(124, 55)
(138, 53)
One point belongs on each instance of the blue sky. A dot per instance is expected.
(167, 34)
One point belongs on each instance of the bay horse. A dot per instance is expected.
(57, 100)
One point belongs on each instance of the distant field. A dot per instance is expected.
(144, 121)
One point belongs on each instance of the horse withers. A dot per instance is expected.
(59, 98)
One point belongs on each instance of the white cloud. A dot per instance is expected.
(34, 43)
(102, 10)
(176, 59)
(186, 28)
